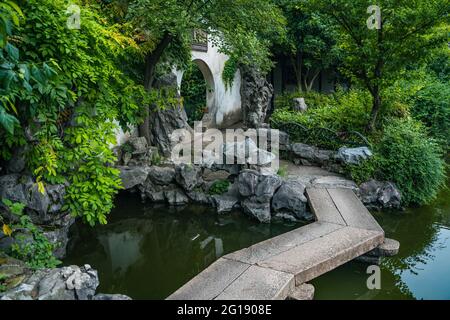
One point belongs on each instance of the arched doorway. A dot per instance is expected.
(197, 90)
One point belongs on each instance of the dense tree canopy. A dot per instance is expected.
(409, 29)
(310, 42)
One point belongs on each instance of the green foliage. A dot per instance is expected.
(406, 156)
(410, 31)
(30, 244)
(313, 99)
(237, 28)
(344, 111)
(66, 88)
(311, 42)
(2, 284)
(283, 171)
(193, 91)
(10, 15)
(432, 107)
(219, 187)
(229, 72)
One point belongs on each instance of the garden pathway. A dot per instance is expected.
(344, 230)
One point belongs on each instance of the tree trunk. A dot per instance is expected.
(376, 106)
(151, 61)
(311, 83)
(297, 63)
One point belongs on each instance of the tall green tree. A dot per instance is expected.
(241, 28)
(406, 31)
(310, 42)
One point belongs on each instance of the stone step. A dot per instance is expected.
(211, 282)
(271, 247)
(323, 254)
(258, 283)
(323, 207)
(302, 292)
(353, 210)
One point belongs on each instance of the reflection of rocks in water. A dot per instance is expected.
(150, 251)
(122, 242)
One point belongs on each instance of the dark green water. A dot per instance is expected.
(148, 252)
(421, 270)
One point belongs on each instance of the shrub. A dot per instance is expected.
(344, 111)
(219, 187)
(432, 107)
(313, 99)
(410, 159)
(30, 245)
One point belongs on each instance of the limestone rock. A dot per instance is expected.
(256, 93)
(225, 203)
(290, 197)
(44, 208)
(139, 144)
(299, 104)
(353, 155)
(176, 197)
(133, 176)
(188, 176)
(161, 175)
(163, 123)
(257, 209)
(380, 195)
(312, 154)
(66, 283)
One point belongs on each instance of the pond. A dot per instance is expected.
(421, 270)
(147, 252)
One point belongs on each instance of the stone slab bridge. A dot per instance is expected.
(278, 268)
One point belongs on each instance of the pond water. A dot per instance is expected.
(421, 270)
(148, 252)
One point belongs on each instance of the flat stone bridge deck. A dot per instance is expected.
(272, 269)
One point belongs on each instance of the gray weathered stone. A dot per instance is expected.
(380, 195)
(225, 203)
(44, 208)
(161, 175)
(290, 197)
(188, 176)
(139, 144)
(133, 176)
(312, 154)
(66, 283)
(302, 292)
(163, 123)
(176, 197)
(299, 104)
(256, 93)
(247, 182)
(353, 155)
(257, 209)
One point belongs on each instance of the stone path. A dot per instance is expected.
(272, 269)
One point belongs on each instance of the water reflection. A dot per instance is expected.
(148, 252)
(420, 271)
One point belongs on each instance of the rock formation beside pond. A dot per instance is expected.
(256, 93)
(380, 195)
(43, 208)
(65, 283)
